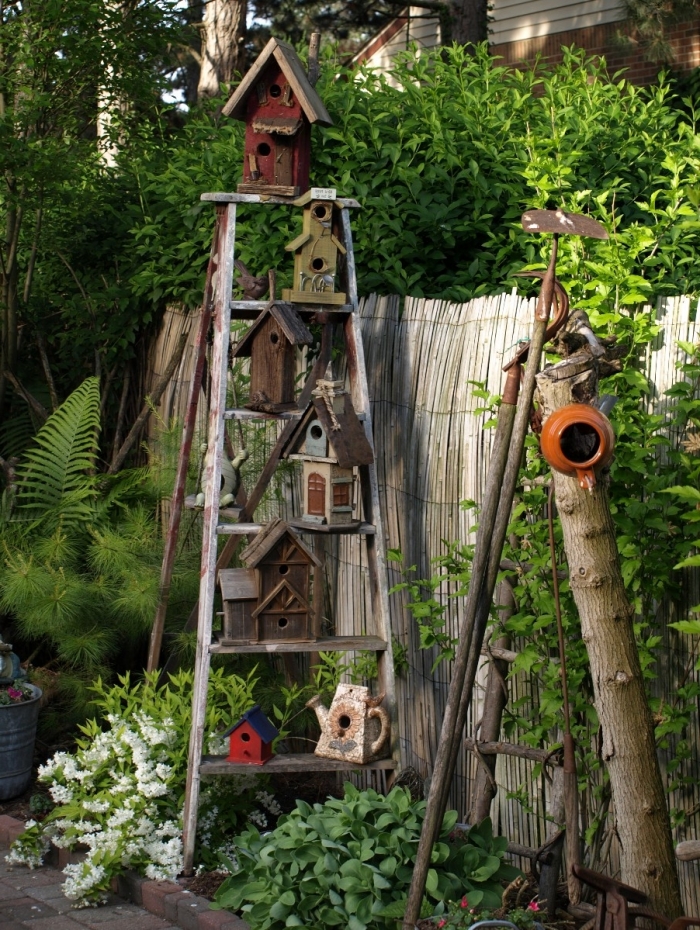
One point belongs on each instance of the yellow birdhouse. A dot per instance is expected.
(316, 258)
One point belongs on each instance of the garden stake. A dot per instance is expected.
(166, 572)
(573, 848)
(497, 503)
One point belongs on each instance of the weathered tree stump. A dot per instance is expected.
(629, 751)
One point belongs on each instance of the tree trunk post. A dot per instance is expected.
(223, 36)
(629, 750)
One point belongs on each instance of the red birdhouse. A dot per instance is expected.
(250, 738)
(278, 104)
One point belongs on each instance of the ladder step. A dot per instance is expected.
(242, 413)
(322, 644)
(243, 529)
(231, 512)
(287, 762)
(251, 309)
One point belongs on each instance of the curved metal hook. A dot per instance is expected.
(560, 317)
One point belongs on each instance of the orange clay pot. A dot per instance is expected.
(578, 440)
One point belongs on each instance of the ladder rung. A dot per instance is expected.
(222, 197)
(287, 762)
(238, 529)
(242, 413)
(322, 644)
(250, 309)
(232, 512)
(243, 529)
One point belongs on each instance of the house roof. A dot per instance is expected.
(259, 722)
(287, 319)
(350, 444)
(268, 538)
(238, 584)
(292, 596)
(292, 68)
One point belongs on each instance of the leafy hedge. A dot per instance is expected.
(444, 166)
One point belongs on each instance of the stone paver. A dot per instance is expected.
(33, 900)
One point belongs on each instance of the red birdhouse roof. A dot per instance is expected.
(287, 59)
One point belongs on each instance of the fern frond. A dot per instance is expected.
(58, 471)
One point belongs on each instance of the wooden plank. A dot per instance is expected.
(242, 413)
(322, 644)
(287, 762)
(221, 197)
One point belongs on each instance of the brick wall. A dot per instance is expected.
(684, 39)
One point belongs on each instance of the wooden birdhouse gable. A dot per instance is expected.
(283, 565)
(270, 344)
(316, 254)
(330, 430)
(278, 104)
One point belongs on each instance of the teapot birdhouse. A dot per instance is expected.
(282, 565)
(316, 253)
(270, 343)
(355, 728)
(278, 104)
(330, 441)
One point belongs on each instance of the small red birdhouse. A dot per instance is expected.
(278, 104)
(250, 738)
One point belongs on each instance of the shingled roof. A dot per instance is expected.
(293, 69)
(258, 721)
(268, 538)
(286, 318)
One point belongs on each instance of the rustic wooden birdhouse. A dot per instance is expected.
(316, 253)
(270, 343)
(239, 592)
(330, 441)
(278, 104)
(251, 737)
(282, 565)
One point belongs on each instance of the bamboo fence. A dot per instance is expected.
(433, 452)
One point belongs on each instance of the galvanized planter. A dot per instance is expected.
(17, 733)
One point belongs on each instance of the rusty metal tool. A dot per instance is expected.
(506, 455)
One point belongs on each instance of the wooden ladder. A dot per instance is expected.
(223, 309)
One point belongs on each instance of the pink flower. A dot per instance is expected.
(533, 906)
(442, 922)
(15, 694)
(464, 902)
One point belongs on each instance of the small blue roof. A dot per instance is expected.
(259, 722)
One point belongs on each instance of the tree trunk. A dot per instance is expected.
(629, 751)
(223, 36)
(468, 21)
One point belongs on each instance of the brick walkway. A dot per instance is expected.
(33, 900)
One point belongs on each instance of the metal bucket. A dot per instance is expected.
(17, 733)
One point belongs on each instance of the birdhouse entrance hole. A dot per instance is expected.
(322, 211)
(284, 569)
(275, 90)
(344, 721)
(245, 737)
(274, 338)
(264, 149)
(580, 442)
(318, 264)
(282, 622)
(316, 431)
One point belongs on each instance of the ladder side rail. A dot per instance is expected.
(212, 488)
(376, 544)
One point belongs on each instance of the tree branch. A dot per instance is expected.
(39, 409)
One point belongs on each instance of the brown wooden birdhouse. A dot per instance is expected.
(278, 104)
(316, 253)
(239, 592)
(282, 565)
(270, 343)
(330, 441)
(251, 738)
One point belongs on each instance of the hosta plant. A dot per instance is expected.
(348, 863)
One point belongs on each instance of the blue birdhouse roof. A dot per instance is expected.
(259, 722)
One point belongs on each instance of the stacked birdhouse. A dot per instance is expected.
(268, 602)
(331, 443)
(251, 738)
(316, 255)
(278, 104)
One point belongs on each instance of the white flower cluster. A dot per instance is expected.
(123, 807)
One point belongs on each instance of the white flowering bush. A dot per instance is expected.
(120, 794)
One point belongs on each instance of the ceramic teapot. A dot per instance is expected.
(354, 728)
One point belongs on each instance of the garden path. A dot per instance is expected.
(33, 900)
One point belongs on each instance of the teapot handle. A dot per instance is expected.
(386, 728)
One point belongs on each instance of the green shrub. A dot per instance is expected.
(348, 863)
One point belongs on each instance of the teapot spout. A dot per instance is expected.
(321, 710)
